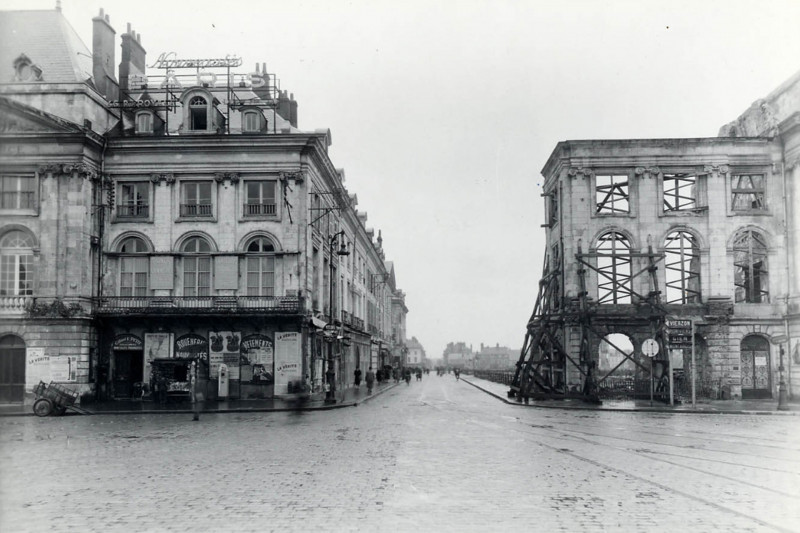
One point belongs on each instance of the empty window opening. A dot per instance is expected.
(747, 192)
(682, 268)
(612, 194)
(680, 192)
(198, 113)
(750, 274)
(613, 269)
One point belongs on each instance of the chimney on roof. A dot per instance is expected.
(264, 92)
(132, 68)
(58, 5)
(103, 56)
(287, 108)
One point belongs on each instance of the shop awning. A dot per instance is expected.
(317, 323)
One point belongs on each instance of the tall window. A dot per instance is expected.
(614, 269)
(750, 274)
(196, 199)
(260, 267)
(17, 192)
(198, 113)
(612, 194)
(260, 198)
(133, 200)
(747, 192)
(553, 211)
(196, 267)
(680, 192)
(16, 264)
(134, 267)
(682, 268)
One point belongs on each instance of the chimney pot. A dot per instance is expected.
(129, 27)
(101, 11)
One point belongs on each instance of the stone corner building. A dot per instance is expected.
(644, 232)
(172, 220)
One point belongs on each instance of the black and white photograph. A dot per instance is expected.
(399, 266)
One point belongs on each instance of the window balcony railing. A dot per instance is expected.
(259, 209)
(14, 305)
(126, 305)
(133, 211)
(196, 210)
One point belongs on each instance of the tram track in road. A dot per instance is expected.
(537, 438)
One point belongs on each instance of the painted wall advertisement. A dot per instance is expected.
(64, 368)
(224, 347)
(258, 358)
(288, 360)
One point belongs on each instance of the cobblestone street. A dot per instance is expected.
(436, 455)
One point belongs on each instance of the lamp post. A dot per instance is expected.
(783, 404)
(330, 374)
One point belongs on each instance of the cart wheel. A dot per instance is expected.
(42, 407)
(59, 410)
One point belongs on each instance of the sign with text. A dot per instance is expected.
(224, 348)
(258, 354)
(288, 360)
(679, 332)
(191, 346)
(37, 367)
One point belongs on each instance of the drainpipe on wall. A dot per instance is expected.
(786, 266)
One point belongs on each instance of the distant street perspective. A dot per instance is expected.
(431, 455)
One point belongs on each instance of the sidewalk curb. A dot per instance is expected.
(638, 409)
(300, 408)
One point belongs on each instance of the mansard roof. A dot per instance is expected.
(48, 40)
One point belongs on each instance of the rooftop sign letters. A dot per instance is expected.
(169, 60)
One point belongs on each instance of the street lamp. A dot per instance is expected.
(330, 374)
(783, 404)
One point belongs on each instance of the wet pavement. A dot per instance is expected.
(436, 455)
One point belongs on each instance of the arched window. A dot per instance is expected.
(134, 268)
(196, 267)
(198, 113)
(260, 267)
(614, 269)
(750, 274)
(682, 268)
(16, 264)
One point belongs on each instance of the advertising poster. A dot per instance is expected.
(288, 360)
(224, 348)
(64, 368)
(156, 346)
(37, 367)
(258, 357)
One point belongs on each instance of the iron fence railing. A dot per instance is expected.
(200, 304)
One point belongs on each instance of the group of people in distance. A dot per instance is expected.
(384, 374)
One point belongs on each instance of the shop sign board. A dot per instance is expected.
(126, 341)
(258, 352)
(225, 348)
(679, 333)
(288, 360)
(191, 346)
(37, 367)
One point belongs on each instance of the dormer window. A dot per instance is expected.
(25, 70)
(144, 122)
(251, 122)
(198, 113)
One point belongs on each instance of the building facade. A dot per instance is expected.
(416, 354)
(171, 225)
(691, 244)
(495, 358)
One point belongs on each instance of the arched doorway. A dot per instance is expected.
(12, 369)
(756, 375)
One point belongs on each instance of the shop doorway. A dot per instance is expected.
(128, 369)
(756, 376)
(12, 369)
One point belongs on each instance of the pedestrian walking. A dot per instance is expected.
(407, 376)
(419, 374)
(370, 377)
(357, 377)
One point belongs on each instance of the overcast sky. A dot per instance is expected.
(444, 112)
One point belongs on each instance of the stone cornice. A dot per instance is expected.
(232, 177)
(647, 172)
(169, 179)
(575, 172)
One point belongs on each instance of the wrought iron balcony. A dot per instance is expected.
(196, 210)
(206, 305)
(259, 209)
